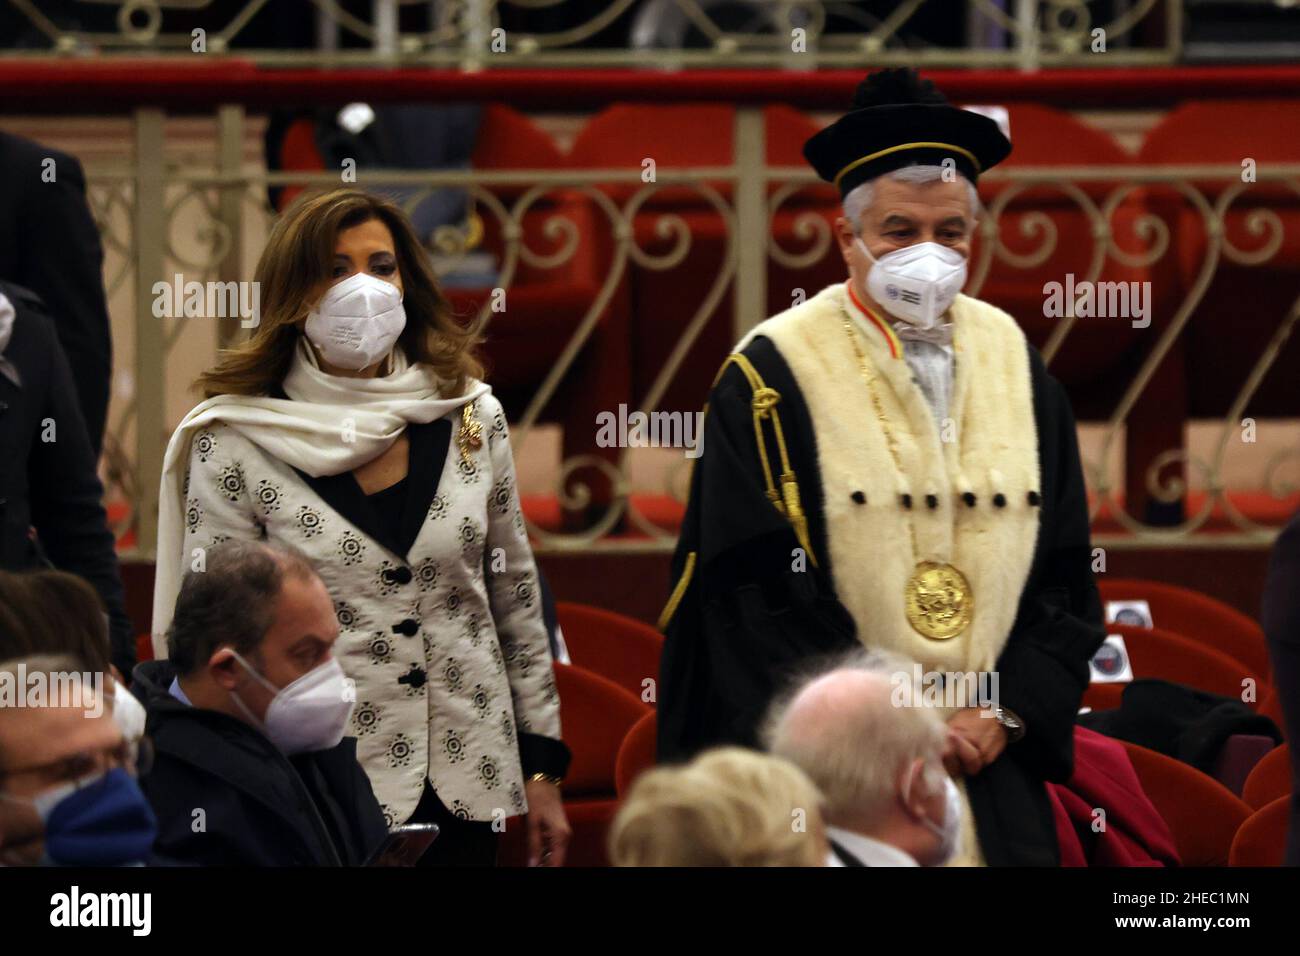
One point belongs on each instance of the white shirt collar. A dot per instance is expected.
(869, 850)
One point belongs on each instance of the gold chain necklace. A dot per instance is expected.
(937, 599)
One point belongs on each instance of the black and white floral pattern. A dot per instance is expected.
(193, 515)
(230, 483)
(268, 496)
(351, 549)
(310, 521)
(205, 443)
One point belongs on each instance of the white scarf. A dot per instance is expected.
(305, 431)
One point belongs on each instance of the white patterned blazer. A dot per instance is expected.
(440, 625)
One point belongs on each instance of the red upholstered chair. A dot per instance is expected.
(1203, 815)
(1269, 779)
(1195, 615)
(1161, 653)
(664, 300)
(1097, 358)
(545, 306)
(617, 647)
(1230, 328)
(298, 152)
(596, 716)
(1261, 840)
(637, 753)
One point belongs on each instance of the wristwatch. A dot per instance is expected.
(546, 778)
(1015, 727)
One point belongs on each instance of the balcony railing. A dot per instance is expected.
(478, 35)
(160, 218)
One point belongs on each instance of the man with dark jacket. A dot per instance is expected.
(247, 716)
(47, 467)
(50, 245)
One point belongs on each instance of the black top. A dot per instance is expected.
(392, 516)
(389, 505)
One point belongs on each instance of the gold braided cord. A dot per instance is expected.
(679, 592)
(763, 404)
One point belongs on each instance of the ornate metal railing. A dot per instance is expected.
(493, 34)
(141, 209)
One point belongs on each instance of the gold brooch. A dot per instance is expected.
(938, 601)
(470, 435)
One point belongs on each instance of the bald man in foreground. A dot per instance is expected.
(889, 800)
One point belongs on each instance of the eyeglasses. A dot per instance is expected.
(136, 757)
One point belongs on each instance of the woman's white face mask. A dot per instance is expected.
(357, 321)
(917, 283)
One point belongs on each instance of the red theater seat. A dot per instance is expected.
(1203, 815)
(1227, 333)
(1261, 841)
(665, 300)
(1269, 779)
(1164, 654)
(1096, 360)
(616, 647)
(1194, 615)
(637, 753)
(596, 716)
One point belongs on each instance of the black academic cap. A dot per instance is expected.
(898, 120)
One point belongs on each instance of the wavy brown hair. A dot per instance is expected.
(296, 266)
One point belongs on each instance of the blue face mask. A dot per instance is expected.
(107, 822)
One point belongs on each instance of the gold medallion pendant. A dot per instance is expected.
(938, 601)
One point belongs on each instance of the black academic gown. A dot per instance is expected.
(747, 622)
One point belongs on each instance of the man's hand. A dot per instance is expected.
(974, 742)
(548, 828)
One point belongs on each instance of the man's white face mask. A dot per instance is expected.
(916, 283)
(949, 829)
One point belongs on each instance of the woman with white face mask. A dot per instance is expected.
(353, 427)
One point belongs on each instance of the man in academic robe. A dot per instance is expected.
(890, 464)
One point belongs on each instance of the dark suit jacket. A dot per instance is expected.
(260, 808)
(52, 485)
(49, 243)
(1281, 620)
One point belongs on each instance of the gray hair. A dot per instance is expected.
(858, 199)
(853, 741)
(231, 601)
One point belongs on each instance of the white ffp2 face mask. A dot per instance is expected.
(916, 283)
(357, 321)
(309, 714)
(950, 828)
